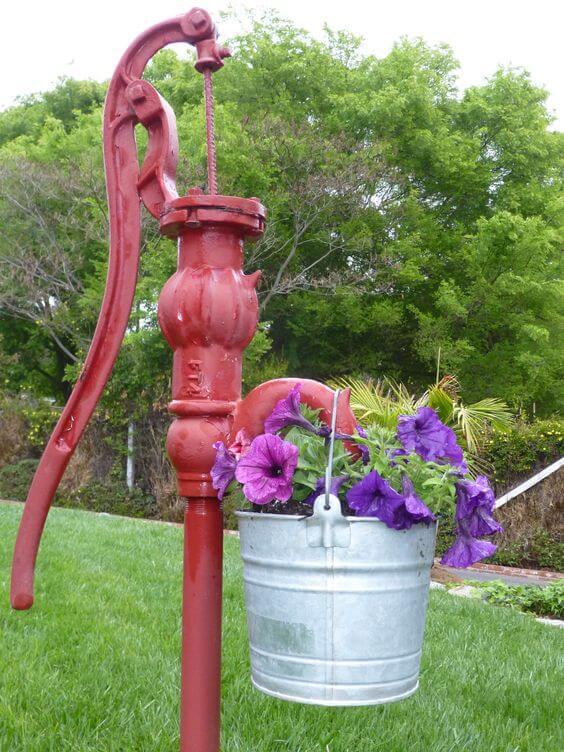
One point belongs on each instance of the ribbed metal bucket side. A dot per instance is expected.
(335, 626)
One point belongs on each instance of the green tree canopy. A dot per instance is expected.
(404, 216)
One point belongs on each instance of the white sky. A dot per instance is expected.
(41, 41)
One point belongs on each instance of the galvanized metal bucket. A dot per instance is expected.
(335, 605)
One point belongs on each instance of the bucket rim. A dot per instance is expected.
(298, 517)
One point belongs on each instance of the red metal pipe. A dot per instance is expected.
(201, 627)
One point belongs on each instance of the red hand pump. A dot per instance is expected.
(208, 313)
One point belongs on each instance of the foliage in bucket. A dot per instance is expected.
(407, 475)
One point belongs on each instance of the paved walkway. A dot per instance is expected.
(510, 575)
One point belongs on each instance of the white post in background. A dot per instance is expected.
(522, 487)
(130, 468)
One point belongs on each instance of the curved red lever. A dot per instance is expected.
(251, 412)
(129, 100)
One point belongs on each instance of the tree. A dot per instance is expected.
(403, 218)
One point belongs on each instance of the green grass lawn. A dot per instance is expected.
(94, 665)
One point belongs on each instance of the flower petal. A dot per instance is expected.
(373, 497)
(267, 469)
(223, 470)
(466, 551)
(425, 434)
(287, 413)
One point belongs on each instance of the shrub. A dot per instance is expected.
(544, 601)
(518, 451)
(40, 417)
(445, 536)
(25, 426)
(543, 551)
(112, 498)
(231, 503)
(15, 479)
(13, 430)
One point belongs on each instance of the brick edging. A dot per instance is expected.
(544, 574)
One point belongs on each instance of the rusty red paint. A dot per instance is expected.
(208, 313)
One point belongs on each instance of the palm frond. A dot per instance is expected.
(441, 402)
(401, 395)
(474, 420)
(375, 401)
(367, 399)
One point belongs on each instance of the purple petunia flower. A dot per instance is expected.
(413, 510)
(373, 497)
(425, 434)
(267, 469)
(223, 470)
(466, 551)
(336, 484)
(474, 505)
(287, 413)
(408, 510)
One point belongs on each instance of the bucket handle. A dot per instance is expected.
(327, 527)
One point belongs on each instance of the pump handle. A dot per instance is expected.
(129, 101)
